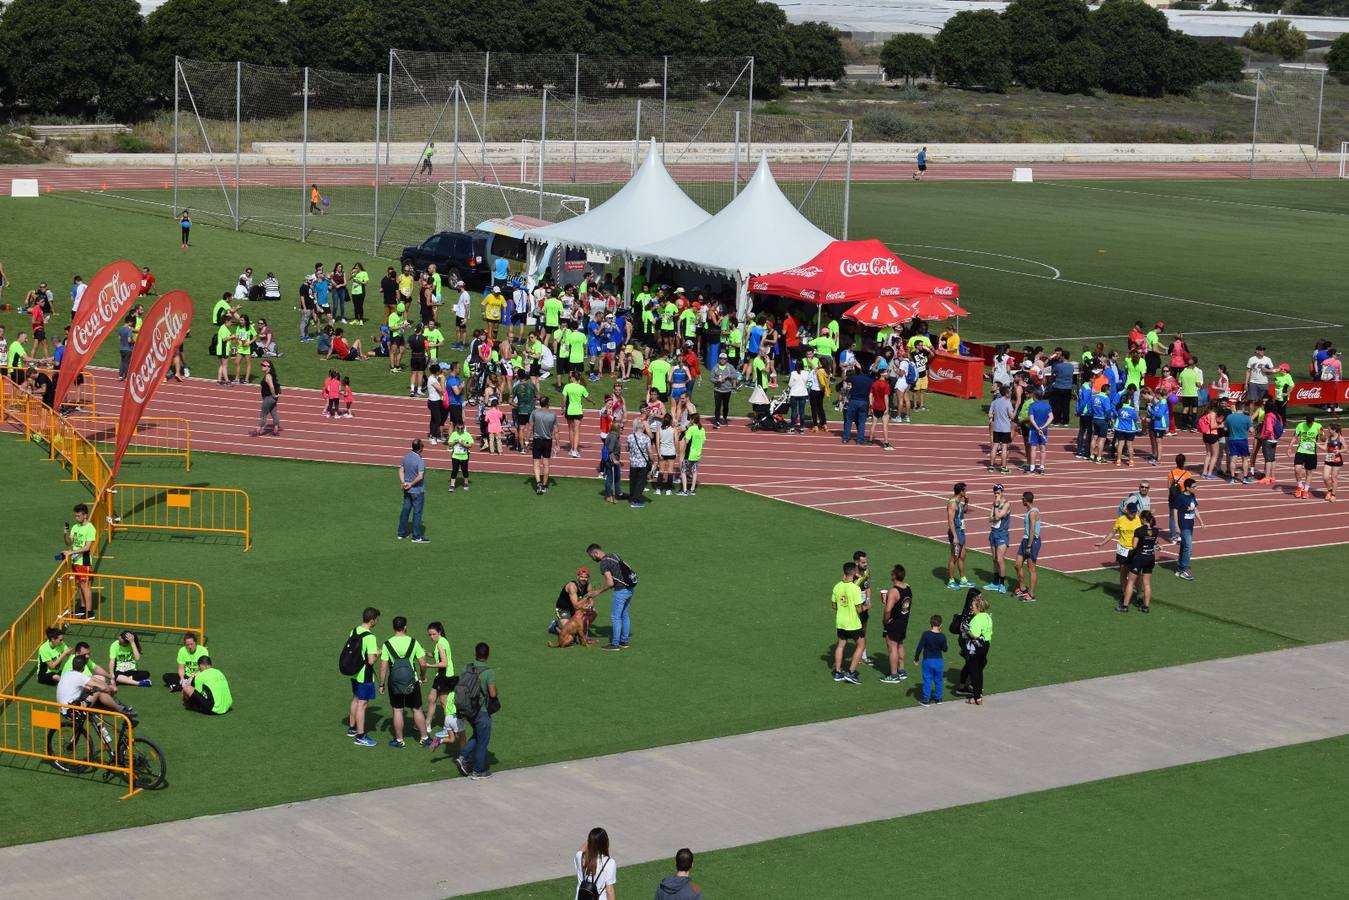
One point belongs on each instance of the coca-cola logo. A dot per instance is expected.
(879, 265)
(110, 305)
(836, 295)
(1312, 394)
(889, 292)
(808, 295)
(803, 271)
(165, 335)
(758, 285)
(945, 291)
(942, 374)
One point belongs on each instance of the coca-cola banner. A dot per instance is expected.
(110, 295)
(163, 330)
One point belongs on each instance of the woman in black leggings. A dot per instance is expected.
(959, 623)
(977, 638)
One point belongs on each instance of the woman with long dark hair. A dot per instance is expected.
(339, 279)
(270, 384)
(958, 624)
(978, 636)
(596, 871)
(1142, 559)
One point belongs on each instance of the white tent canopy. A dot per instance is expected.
(759, 231)
(649, 208)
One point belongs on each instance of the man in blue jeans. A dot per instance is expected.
(859, 395)
(1187, 512)
(618, 577)
(412, 476)
(475, 748)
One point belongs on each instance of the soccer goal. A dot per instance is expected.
(461, 205)
(562, 159)
(1344, 159)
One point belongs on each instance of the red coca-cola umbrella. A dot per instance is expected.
(931, 308)
(879, 313)
(852, 271)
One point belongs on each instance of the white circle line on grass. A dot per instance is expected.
(1034, 262)
(1220, 202)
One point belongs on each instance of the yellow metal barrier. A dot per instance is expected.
(126, 601)
(22, 639)
(77, 740)
(82, 397)
(156, 436)
(190, 510)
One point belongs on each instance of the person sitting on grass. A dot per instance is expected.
(123, 656)
(53, 657)
(85, 684)
(574, 596)
(208, 692)
(349, 352)
(189, 661)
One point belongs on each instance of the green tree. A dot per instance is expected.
(1219, 62)
(816, 52)
(907, 56)
(1337, 59)
(751, 28)
(1049, 45)
(972, 51)
(1280, 38)
(262, 32)
(74, 57)
(1135, 42)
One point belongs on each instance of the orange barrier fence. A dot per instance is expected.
(64, 441)
(156, 436)
(126, 601)
(82, 397)
(74, 739)
(21, 640)
(183, 510)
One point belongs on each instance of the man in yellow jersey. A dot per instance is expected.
(1122, 531)
(846, 600)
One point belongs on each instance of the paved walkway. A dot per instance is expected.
(736, 790)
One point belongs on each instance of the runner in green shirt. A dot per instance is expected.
(363, 682)
(189, 660)
(846, 598)
(209, 692)
(1189, 380)
(220, 313)
(735, 339)
(434, 339)
(576, 349)
(460, 443)
(224, 350)
(124, 655)
(53, 657)
(359, 280)
(694, 437)
(658, 371)
(403, 646)
(574, 396)
(1303, 450)
(552, 312)
(439, 666)
(82, 541)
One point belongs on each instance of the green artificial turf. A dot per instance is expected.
(1249, 824)
(731, 613)
(1230, 263)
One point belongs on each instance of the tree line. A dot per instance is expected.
(103, 58)
(1122, 46)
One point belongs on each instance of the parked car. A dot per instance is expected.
(457, 254)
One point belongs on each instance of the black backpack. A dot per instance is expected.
(468, 693)
(402, 676)
(352, 660)
(588, 889)
(626, 575)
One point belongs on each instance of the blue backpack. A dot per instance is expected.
(1278, 426)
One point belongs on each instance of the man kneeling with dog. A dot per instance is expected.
(575, 611)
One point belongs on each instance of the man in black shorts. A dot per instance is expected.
(898, 602)
(542, 422)
(398, 669)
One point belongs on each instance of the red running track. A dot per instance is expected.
(93, 178)
(904, 490)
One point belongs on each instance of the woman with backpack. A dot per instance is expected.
(958, 623)
(1271, 429)
(596, 871)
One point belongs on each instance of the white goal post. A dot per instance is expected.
(622, 156)
(1344, 159)
(461, 205)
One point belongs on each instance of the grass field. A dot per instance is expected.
(732, 604)
(1228, 263)
(1259, 822)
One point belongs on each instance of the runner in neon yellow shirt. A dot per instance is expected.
(846, 599)
(1303, 450)
(574, 396)
(694, 438)
(209, 692)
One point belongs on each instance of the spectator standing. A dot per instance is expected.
(542, 422)
(412, 477)
(126, 341)
(596, 871)
(1028, 553)
(1238, 444)
(621, 579)
(798, 393)
(639, 462)
(723, 385)
(1000, 415)
(898, 602)
(680, 886)
(363, 682)
(1061, 385)
(855, 413)
(1258, 369)
(478, 691)
(846, 600)
(82, 540)
(1187, 516)
(929, 654)
(270, 387)
(399, 660)
(691, 446)
(611, 460)
(978, 637)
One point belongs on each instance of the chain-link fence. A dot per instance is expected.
(1288, 101)
(356, 160)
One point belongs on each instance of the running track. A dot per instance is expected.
(904, 490)
(93, 178)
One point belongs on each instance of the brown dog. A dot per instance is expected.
(576, 630)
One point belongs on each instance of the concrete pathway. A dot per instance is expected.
(524, 825)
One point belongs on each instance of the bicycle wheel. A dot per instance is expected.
(70, 750)
(147, 762)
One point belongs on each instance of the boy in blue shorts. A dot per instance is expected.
(955, 536)
(931, 646)
(1028, 553)
(1160, 413)
(1126, 429)
(1039, 416)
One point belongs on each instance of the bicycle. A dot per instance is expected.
(147, 760)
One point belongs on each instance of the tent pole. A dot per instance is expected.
(627, 279)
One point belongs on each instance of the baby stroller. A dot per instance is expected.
(767, 414)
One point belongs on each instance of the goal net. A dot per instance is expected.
(1344, 159)
(589, 161)
(1287, 124)
(461, 205)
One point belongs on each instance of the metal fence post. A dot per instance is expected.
(304, 160)
(637, 139)
(379, 92)
(1316, 148)
(388, 117)
(664, 104)
(847, 182)
(1255, 123)
(176, 75)
(735, 160)
(749, 115)
(482, 131)
(454, 164)
(575, 117)
(543, 143)
(238, 99)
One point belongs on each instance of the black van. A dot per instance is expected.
(457, 254)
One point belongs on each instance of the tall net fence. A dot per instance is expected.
(360, 160)
(1288, 105)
